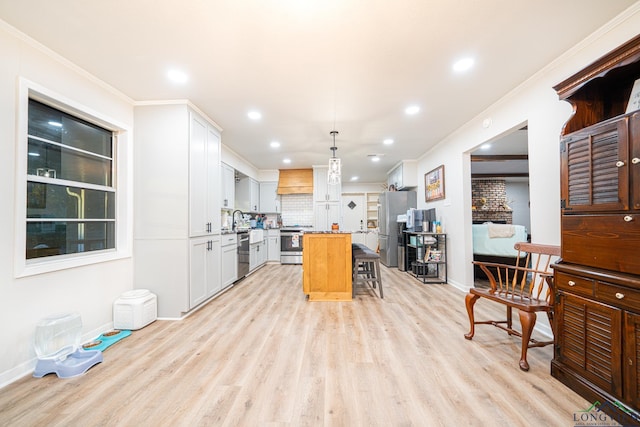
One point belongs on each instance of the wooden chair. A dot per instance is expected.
(520, 286)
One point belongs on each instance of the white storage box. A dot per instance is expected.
(135, 309)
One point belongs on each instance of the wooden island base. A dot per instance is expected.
(326, 266)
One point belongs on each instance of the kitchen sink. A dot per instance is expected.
(256, 235)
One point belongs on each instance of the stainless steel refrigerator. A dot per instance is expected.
(390, 205)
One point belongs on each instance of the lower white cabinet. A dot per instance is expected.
(204, 272)
(229, 265)
(273, 245)
(257, 255)
(358, 238)
(371, 240)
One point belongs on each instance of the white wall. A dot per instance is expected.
(89, 290)
(536, 104)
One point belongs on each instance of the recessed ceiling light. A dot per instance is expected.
(177, 76)
(388, 141)
(463, 64)
(412, 109)
(287, 161)
(375, 158)
(275, 144)
(354, 178)
(254, 115)
(485, 146)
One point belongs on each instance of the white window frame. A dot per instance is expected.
(121, 181)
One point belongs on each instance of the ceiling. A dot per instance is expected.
(312, 66)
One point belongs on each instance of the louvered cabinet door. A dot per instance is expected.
(589, 341)
(595, 168)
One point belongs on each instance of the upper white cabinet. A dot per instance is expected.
(269, 200)
(325, 214)
(247, 195)
(405, 175)
(177, 163)
(326, 200)
(228, 187)
(322, 191)
(204, 177)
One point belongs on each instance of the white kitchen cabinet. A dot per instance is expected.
(204, 273)
(405, 175)
(269, 199)
(177, 206)
(326, 200)
(325, 214)
(273, 245)
(229, 258)
(257, 255)
(322, 191)
(204, 177)
(247, 195)
(371, 240)
(358, 237)
(228, 187)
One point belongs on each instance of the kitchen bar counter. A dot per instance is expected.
(326, 266)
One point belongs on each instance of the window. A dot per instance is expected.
(70, 193)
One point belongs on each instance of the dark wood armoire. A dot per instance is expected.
(597, 280)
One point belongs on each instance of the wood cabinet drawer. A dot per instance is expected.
(573, 284)
(605, 241)
(618, 296)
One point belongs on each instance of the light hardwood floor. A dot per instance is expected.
(261, 354)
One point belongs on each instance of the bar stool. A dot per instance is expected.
(366, 268)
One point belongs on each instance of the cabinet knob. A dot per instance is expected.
(619, 163)
(619, 295)
(628, 218)
(571, 283)
(635, 160)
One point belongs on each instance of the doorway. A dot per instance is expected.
(500, 188)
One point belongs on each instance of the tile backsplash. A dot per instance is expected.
(297, 209)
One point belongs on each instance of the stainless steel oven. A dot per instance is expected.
(291, 246)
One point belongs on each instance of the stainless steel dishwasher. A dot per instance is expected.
(243, 254)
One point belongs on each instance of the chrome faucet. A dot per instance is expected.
(233, 219)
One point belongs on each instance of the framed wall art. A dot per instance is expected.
(434, 184)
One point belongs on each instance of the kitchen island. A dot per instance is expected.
(326, 265)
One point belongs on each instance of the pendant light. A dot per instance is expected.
(333, 177)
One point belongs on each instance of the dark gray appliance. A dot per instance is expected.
(390, 205)
(243, 254)
(421, 220)
(291, 245)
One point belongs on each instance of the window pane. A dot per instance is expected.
(58, 201)
(49, 238)
(57, 162)
(51, 124)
